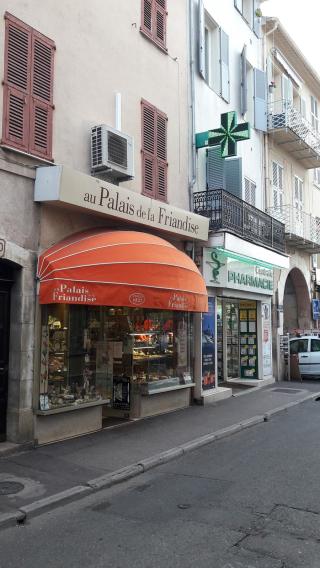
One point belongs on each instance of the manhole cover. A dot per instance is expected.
(288, 391)
(10, 487)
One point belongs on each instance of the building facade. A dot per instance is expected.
(246, 245)
(292, 189)
(96, 320)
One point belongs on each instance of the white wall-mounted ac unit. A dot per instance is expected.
(111, 153)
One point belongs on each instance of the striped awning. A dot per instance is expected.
(120, 268)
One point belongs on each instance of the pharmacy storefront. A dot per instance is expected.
(241, 288)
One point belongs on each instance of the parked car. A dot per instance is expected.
(307, 348)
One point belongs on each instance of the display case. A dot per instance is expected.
(153, 364)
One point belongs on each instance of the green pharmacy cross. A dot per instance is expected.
(227, 136)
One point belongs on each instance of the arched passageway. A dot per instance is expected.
(296, 302)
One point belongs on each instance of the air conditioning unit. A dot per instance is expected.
(111, 153)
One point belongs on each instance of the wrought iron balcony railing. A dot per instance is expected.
(302, 229)
(229, 213)
(295, 134)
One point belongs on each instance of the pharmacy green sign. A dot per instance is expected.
(226, 136)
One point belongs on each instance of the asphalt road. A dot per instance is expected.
(248, 501)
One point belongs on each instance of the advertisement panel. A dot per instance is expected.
(208, 347)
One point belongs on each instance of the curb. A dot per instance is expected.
(133, 470)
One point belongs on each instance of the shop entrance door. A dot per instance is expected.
(228, 339)
(4, 355)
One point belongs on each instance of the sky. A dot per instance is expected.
(301, 20)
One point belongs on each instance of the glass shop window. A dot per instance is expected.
(86, 350)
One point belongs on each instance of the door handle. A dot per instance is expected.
(1, 368)
(303, 356)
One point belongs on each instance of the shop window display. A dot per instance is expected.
(88, 353)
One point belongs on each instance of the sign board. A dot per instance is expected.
(225, 272)
(208, 347)
(315, 309)
(63, 186)
(2, 247)
(266, 338)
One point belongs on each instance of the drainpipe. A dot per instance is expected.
(192, 168)
(266, 136)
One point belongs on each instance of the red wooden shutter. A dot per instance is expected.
(16, 84)
(41, 96)
(154, 20)
(148, 149)
(147, 17)
(160, 22)
(162, 166)
(28, 89)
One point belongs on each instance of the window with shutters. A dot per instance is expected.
(154, 151)
(28, 89)
(250, 191)
(154, 21)
(277, 185)
(213, 54)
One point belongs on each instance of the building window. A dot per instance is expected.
(214, 55)
(277, 185)
(28, 89)
(316, 176)
(154, 21)
(154, 151)
(298, 205)
(245, 7)
(250, 191)
(314, 113)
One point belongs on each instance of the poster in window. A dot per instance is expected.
(208, 347)
(266, 339)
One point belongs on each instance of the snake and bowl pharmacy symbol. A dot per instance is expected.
(216, 265)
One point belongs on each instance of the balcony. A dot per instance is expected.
(294, 133)
(302, 230)
(229, 213)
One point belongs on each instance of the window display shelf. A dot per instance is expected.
(69, 408)
(147, 392)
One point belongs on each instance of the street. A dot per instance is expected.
(251, 500)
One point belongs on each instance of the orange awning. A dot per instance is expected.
(120, 268)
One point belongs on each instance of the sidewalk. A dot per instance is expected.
(30, 480)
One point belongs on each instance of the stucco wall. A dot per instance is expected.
(100, 51)
(209, 105)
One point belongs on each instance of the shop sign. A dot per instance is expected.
(225, 272)
(2, 247)
(64, 186)
(208, 347)
(266, 339)
(315, 309)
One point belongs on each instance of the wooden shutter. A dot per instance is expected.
(154, 20)
(146, 17)
(233, 167)
(244, 85)
(260, 100)
(148, 149)
(154, 152)
(28, 89)
(16, 84)
(224, 66)
(160, 23)
(161, 140)
(202, 50)
(215, 169)
(41, 96)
